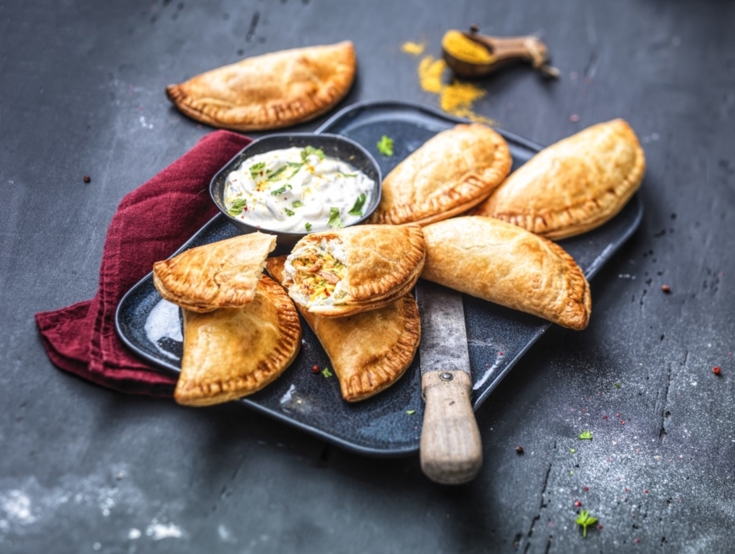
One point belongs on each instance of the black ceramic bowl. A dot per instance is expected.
(333, 145)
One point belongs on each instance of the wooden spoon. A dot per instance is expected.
(504, 50)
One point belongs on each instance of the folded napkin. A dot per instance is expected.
(150, 224)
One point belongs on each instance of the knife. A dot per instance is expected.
(450, 450)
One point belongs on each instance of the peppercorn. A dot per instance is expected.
(716, 370)
(519, 449)
(87, 179)
(666, 288)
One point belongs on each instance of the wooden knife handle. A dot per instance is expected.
(451, 449)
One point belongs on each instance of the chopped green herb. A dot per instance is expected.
(280, 190)
(308, 226)
(256, 170)
(327, 373)
(617, 385)
(410, 412)
(349, 174)
(237, 207)
(585, 520)
(572, 450)
(357, 208)
(334, 220)
(273, 174)
(297, 165)
(288, 212)
(385, 146)
(297, 203)
(311, 151)
(585, 436)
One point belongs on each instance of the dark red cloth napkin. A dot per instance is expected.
(150, 224)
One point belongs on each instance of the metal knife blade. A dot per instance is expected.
(443, 335)
(451, 450)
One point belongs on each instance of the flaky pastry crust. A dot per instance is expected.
(270, 91)
(369, 351)
(222, 274)
(449, 174)
(507, 265)
(383, 263)
(574, 185)
(234, 352)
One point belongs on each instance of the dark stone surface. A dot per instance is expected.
(84, 469)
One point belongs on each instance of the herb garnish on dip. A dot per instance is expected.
(297, 190)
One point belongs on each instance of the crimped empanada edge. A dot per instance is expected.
(211, 113)
(394, 363)
(447, 204)
(207, 393)
(587, 215)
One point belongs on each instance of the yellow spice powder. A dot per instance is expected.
(414, 48)
(465, 49)
(455, 98)
(430, 74)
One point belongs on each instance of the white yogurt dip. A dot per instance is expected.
(297, 190)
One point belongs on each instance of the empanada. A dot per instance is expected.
(369, 351)
(574, 185)
(452, 172)
(502, 263)
(218, 275)
(355, 269)
(234, 352)
(270, 91)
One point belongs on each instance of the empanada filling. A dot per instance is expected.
(318, 272)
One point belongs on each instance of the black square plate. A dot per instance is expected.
(382, 425)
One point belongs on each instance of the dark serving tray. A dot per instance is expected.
(379, 426)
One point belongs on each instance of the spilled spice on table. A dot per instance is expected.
(413, 48)
(455, 98)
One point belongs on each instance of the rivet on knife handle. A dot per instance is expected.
(451, 449)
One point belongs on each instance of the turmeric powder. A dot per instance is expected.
(455, 98)
(464, 49)
(414, 48)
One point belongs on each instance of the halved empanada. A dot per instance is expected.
(369, 351)
(505, 264)
(218, 275)
(347, 271)
(234, 352)
(451, 173)
(574, 185)
(270, 91)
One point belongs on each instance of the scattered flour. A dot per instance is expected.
(158, 531)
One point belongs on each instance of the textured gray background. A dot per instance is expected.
(84, 469)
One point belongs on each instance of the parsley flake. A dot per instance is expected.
(308, 226)
(357, 208)
(617, 385)
(327, 374)
(311, 151)
(335, 222)
(256, 170)
(288, 212)
(237, 206)
(297, 203)
(385, 146)
(573, 450)
(410, 412)
(585, 520)
(280, 190)
(585, 436)
(273, 174)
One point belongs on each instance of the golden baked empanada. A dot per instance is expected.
(369, 351)
(355, 269)
(270, 91)
(452, 172)
(505, 264)
(574, 185)
(218, 275)
(233, 352)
